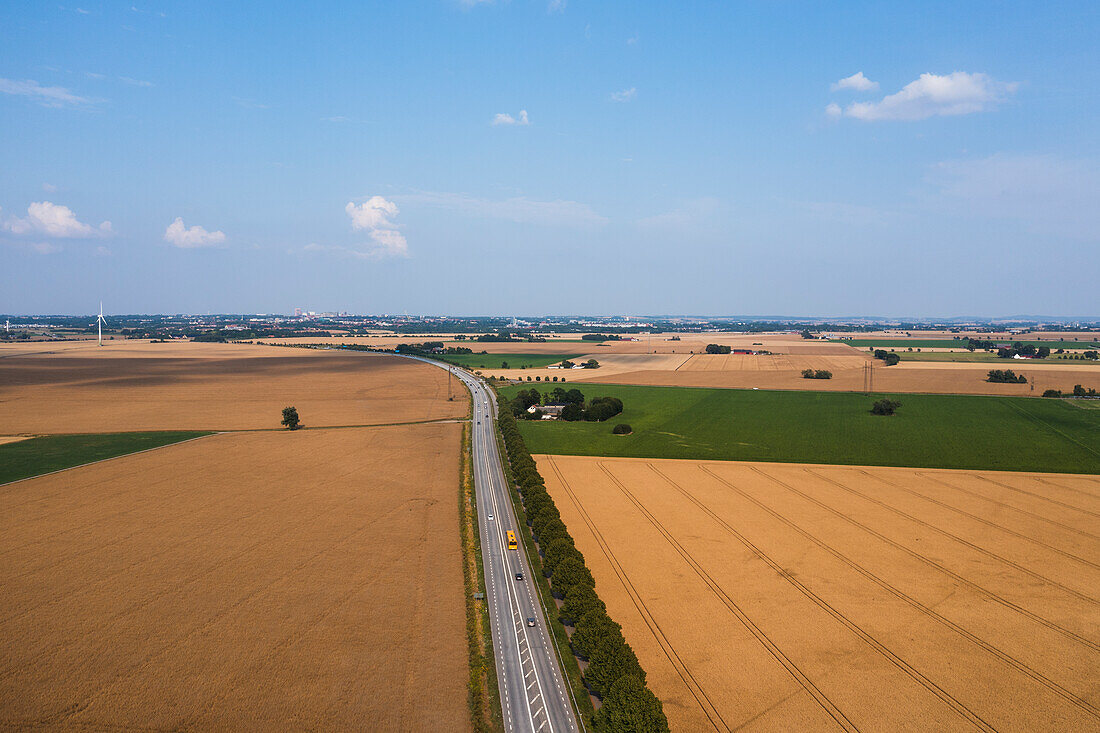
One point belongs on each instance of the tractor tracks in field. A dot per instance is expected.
(692, 685)
(982, 520)
(946, 571)
(894, 591)
(955, 538)
(954, 703)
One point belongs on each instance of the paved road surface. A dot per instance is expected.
(533, 693)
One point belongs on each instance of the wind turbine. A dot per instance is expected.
(100, 321)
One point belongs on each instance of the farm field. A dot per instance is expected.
(1001, 433)
(762, 596)
(494, 361)
(1087, 342)
(785, 372)
(257, 580)
(138, 386)
(35, 456)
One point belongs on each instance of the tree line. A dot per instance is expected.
(576, 409)
(613, 674)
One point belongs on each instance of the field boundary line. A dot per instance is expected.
(950, 573)
(648, 619)
(862, 634)
(925, 474)
(121, 455)
(995, 651)
(956, 538)
(788, 664)
(977, 518)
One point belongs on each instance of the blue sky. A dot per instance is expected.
(797, 158)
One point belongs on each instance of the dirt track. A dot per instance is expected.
(250, 581)
(788, 597)
(77, 388)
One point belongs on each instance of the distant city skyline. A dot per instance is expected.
(465, 157)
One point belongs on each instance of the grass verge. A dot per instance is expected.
(37, 456)
(929, 431)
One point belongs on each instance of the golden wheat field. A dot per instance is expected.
(76, 387)
(802, 597)
(245, 581)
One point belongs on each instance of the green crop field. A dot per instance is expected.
(36, 456)
(514, 361)
(934, 431)
(903, 343)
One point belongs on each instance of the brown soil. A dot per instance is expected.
(799, 597)
(137, 386)
(251, 581)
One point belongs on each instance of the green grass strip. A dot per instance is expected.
(36, 456)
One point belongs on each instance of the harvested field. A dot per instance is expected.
(195, 386)
(249, 581)
(807, 597)
(783, 372)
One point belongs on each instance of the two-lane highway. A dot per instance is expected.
(533, 694)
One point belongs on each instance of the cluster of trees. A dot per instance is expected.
(1040, 352)
(816, 374)
(590, 364)
(717, 349)
(1078, 391)
(806, 334)
(622, 429)
(601, 337)
(885, 406)
(576, 409)
(1005, 376)
(889, 357)
(614, 673)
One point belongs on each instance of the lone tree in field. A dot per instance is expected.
(885, 406)
(290, 418)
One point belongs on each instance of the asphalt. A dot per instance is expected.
(533, 694)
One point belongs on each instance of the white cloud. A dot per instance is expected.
(375, 217)
(697, 216)
(336, 118)
(518, 209)
(957, 93)
(250, 103)
(49, 187)
(1048, 195)
(633, 40)
(136, 82)
(555, 6)
(184, 237)
(53, 220)
(856, 82)
(624, 96)
(833, 109)
(46, 96)
(503, 118)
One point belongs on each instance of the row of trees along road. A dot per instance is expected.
(614, 674)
